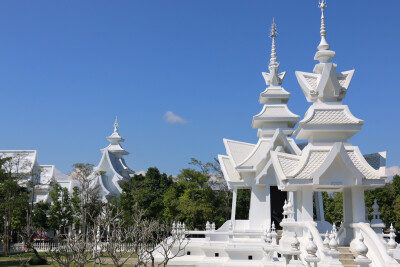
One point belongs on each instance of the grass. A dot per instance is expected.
(26, 255)
(15, 258)
(18, 265)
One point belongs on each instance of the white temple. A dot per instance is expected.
(112, 169)
(107, 175)
(25, 164)
(286, 181)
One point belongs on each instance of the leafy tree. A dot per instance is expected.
(39, 216)
(13, 197)
(333, 206)
(61, 212)
(85, 175)
(396, 184)
(243, 204)
(194, 199)
(145, 193)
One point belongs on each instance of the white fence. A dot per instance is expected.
(43, 246)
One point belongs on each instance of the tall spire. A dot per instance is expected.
(115, 139)
(323, 45)
(273, 78)
(325, 87)
(273, 62)
(116, 125)
(275, 113)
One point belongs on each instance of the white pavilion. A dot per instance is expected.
(286, 181)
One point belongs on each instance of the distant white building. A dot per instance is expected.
(108, 174)
(112, 169)
(25, 164)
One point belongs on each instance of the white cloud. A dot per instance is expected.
(171, 117)
(392, 171)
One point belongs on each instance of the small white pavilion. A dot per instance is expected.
(286, 181)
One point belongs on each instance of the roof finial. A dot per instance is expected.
(116, 125)
(323, 45)
(273, 62)
(273, 78)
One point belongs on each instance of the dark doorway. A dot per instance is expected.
(243, 204)
(277, 199)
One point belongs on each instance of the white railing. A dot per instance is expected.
(377, 252)
(43, 246)
(311, 227)
(14, 248)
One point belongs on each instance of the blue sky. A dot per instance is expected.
(67, 68)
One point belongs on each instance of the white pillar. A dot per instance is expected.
(257, 213)
(347, 216)
(347, 206)
(319, 206)
(233, 212)
(268, 204)
(358, 204)
(307, 207)
(299, 196)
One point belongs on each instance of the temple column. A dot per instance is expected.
(319, 206)
(347, 215)
(233, 212)
(299, 197)
(295, 206)
(357, 194)
(307, 204)
(257, 215)
(268, 204)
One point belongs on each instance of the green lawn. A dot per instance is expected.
(5, 261)
(18, 265)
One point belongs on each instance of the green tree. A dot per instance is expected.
(145, 193)
(13, 198)
(333, 206)
(194, 199)
(61, 212)
(39, 216)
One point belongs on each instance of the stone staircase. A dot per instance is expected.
(346, 257)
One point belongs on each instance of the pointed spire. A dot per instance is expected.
(115, 139)
(116, 125)
(274, 79)
(323, 45)
(273, 62)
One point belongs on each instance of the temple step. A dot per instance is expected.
(346, 257)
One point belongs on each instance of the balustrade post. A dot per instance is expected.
(392, 244)
(311, 249)
(362, 250)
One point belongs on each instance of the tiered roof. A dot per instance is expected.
(275, 113)
(328, 159)
(327, 119)
(112, 169)
(275, 125)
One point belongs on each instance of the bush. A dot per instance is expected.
(37, 261)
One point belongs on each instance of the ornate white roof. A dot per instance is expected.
(23, 161)
(253, 158)
(112, 169)
(327, 119)
(274, 93)
(275, 113)
(315, 160)
(238, 151)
